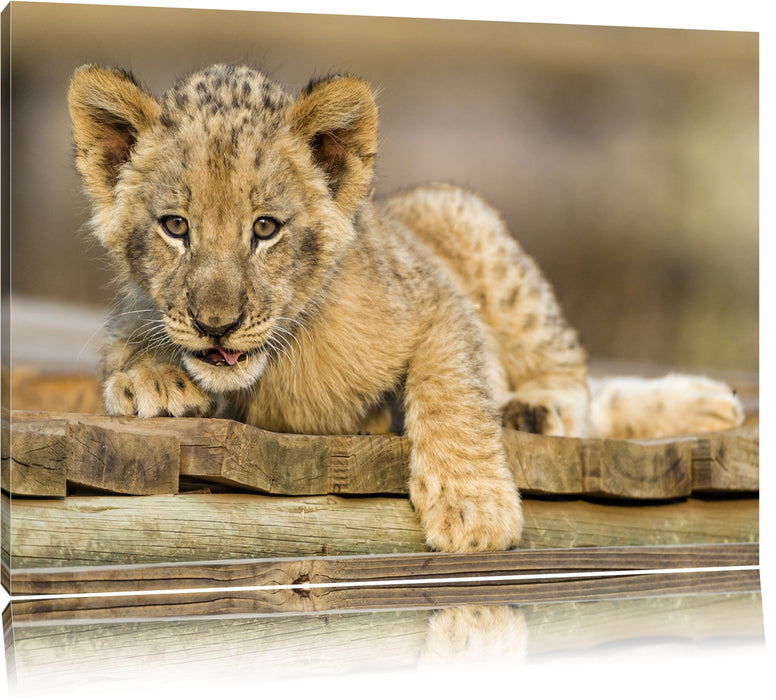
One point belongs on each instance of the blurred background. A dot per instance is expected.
(624, 160)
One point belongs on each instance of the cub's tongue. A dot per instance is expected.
(215, 355)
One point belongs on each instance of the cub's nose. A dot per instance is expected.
(215, 326)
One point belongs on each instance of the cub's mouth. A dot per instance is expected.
(218, 370)
(220, 357)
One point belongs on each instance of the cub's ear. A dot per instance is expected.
(337, 118)
(108, 110)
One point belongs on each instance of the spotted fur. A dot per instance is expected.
(262, 282)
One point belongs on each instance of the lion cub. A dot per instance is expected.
(261, 282)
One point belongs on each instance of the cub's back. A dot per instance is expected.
(472, 244)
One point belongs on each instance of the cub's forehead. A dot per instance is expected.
(220, 137)
(225, 91)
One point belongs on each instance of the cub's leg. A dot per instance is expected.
(539, 371)
(555, 401)
(544, 366)
(540, 376)
(632, 407)
(139, 381)
(474, 635)
(459, 482)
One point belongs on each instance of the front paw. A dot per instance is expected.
(151, 389)
(474, 635)
(470, 514)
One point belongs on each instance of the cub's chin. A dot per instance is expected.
(217, 377)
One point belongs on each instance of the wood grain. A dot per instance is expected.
(108, 531)
(724, 465)
(405, 569)
(129, 460)
(587, 625)
(48, 655)
(38, 459)
(389, 597)
(142, 457)
(647, 469)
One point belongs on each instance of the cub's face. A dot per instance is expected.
(227, 203)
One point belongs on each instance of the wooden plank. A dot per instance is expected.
(215, 650)
(5, 542)
(229, 452)
(654, 469)
(647, 469)
(246, 457)
(129, 461)
(241, 455)
(10, 649)
(725, 462)
(104, 530)
(274, 463)
(386, 597)
(115, 455)
(343, 571)
(37, 464)
(363, 464)
(546, 465)
(592, 624)
(228, 649)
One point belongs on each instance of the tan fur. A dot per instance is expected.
(243, 232)
(677, 404)
(474, 637)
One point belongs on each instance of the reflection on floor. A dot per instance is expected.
(124, 654)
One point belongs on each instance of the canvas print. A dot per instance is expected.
(308, 303)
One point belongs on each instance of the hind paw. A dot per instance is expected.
(699, 404)
(677, 404)
(532, 418)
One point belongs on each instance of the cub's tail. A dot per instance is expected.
(677, 404)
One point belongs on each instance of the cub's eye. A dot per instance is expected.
(175, 226)
(265, 227)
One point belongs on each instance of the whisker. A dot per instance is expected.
(303, 328)
(110, 316)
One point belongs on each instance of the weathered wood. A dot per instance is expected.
(116, 455)
(723, 463)
(131, 460)
(362, 464)
(272, 463)
(404, 569)
(5, 542)
(375, 464)
(546, 465)
(246, 457)
(587, 625)
(10, 649)
(222, 650)
(254, 601)
(89, 531)
(53, 655)
(647, 469)
(37, 464)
